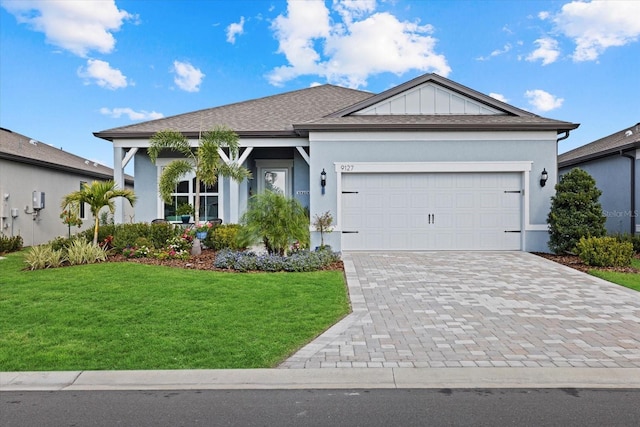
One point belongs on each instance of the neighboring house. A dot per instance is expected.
(612, 161)
(427, 165)
(28, 166)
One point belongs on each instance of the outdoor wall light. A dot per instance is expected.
(323, 180)
(543, 177)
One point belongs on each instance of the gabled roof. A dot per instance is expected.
(500, 116)
(22, 149)
(624, 140)
(440, 81)
(271, 116)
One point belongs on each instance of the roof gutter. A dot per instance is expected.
(563, 137)
(632, 186)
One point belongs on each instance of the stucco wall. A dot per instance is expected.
(612, 175)
(536, 147)
(19, 180)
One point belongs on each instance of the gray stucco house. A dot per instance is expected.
(28, 166)
(612, 161)
(427, 165)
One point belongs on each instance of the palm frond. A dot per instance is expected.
(234, 171)
(168, 139)
(171, 177)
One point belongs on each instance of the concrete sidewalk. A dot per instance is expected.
(325, 378)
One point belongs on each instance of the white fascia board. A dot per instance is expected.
(131, 143)
(395, 167)
(274, 142)
(434, 136)
(243, 142)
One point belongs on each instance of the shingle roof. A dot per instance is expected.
(626, 139)
(20, 148)
(436, 122)
(329, 107)
(269, 116)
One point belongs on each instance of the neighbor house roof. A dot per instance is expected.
(332, 108)
(22, 149)
(624, 140)
(269, 116)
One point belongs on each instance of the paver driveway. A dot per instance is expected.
(476, 309)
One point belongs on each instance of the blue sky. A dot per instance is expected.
(69, 68)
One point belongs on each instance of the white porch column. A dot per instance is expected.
(234, 186)
(118, 177)
(234, 201)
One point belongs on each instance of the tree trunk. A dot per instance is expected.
(196, 204)
(95, 232)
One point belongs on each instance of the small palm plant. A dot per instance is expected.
(97, 195)
(276, 220)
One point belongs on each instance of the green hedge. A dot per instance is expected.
(10, 244)
(605, 252)
(126, 235)
(225, 236)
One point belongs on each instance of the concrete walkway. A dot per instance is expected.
(435, 320)
(477, 309)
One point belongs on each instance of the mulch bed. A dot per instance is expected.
(203, 261)
(574, 261)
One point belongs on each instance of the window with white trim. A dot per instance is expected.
(186, 193)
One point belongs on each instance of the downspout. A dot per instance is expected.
(565, 136)
(632, 185)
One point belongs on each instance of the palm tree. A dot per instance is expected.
(98, 195)
(204, 161)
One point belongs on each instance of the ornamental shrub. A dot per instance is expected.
(225, 236)
(43, 256)
(10, 244)
(575, 212)
(81, 252)
(300, 261)
(634, 239)
(604, 252)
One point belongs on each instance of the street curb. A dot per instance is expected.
(324, 378)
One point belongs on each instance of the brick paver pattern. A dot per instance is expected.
(476, 309)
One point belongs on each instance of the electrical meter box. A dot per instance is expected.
(38, 200)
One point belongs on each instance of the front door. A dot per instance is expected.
(275, 175)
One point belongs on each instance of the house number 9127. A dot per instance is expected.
(347, 168)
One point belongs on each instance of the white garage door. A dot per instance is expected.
(431, 211)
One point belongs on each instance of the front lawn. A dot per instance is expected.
(629, 280)
(134, 316)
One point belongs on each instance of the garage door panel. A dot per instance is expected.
(434, 211)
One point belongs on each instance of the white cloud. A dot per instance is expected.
(132, 114)
(547, 51)
(598, 25)
(188, 77)
(77, 26)
(544, 15)
(349, 48)
(507, 47)
(102, 74)
(235, 29)
(498, 96)
(543, 101)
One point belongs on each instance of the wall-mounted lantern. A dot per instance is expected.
(323, 180)
(543, 177)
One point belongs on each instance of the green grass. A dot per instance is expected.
(629, 280)
(134, 316)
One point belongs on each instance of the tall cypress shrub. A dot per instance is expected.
(575, 211)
